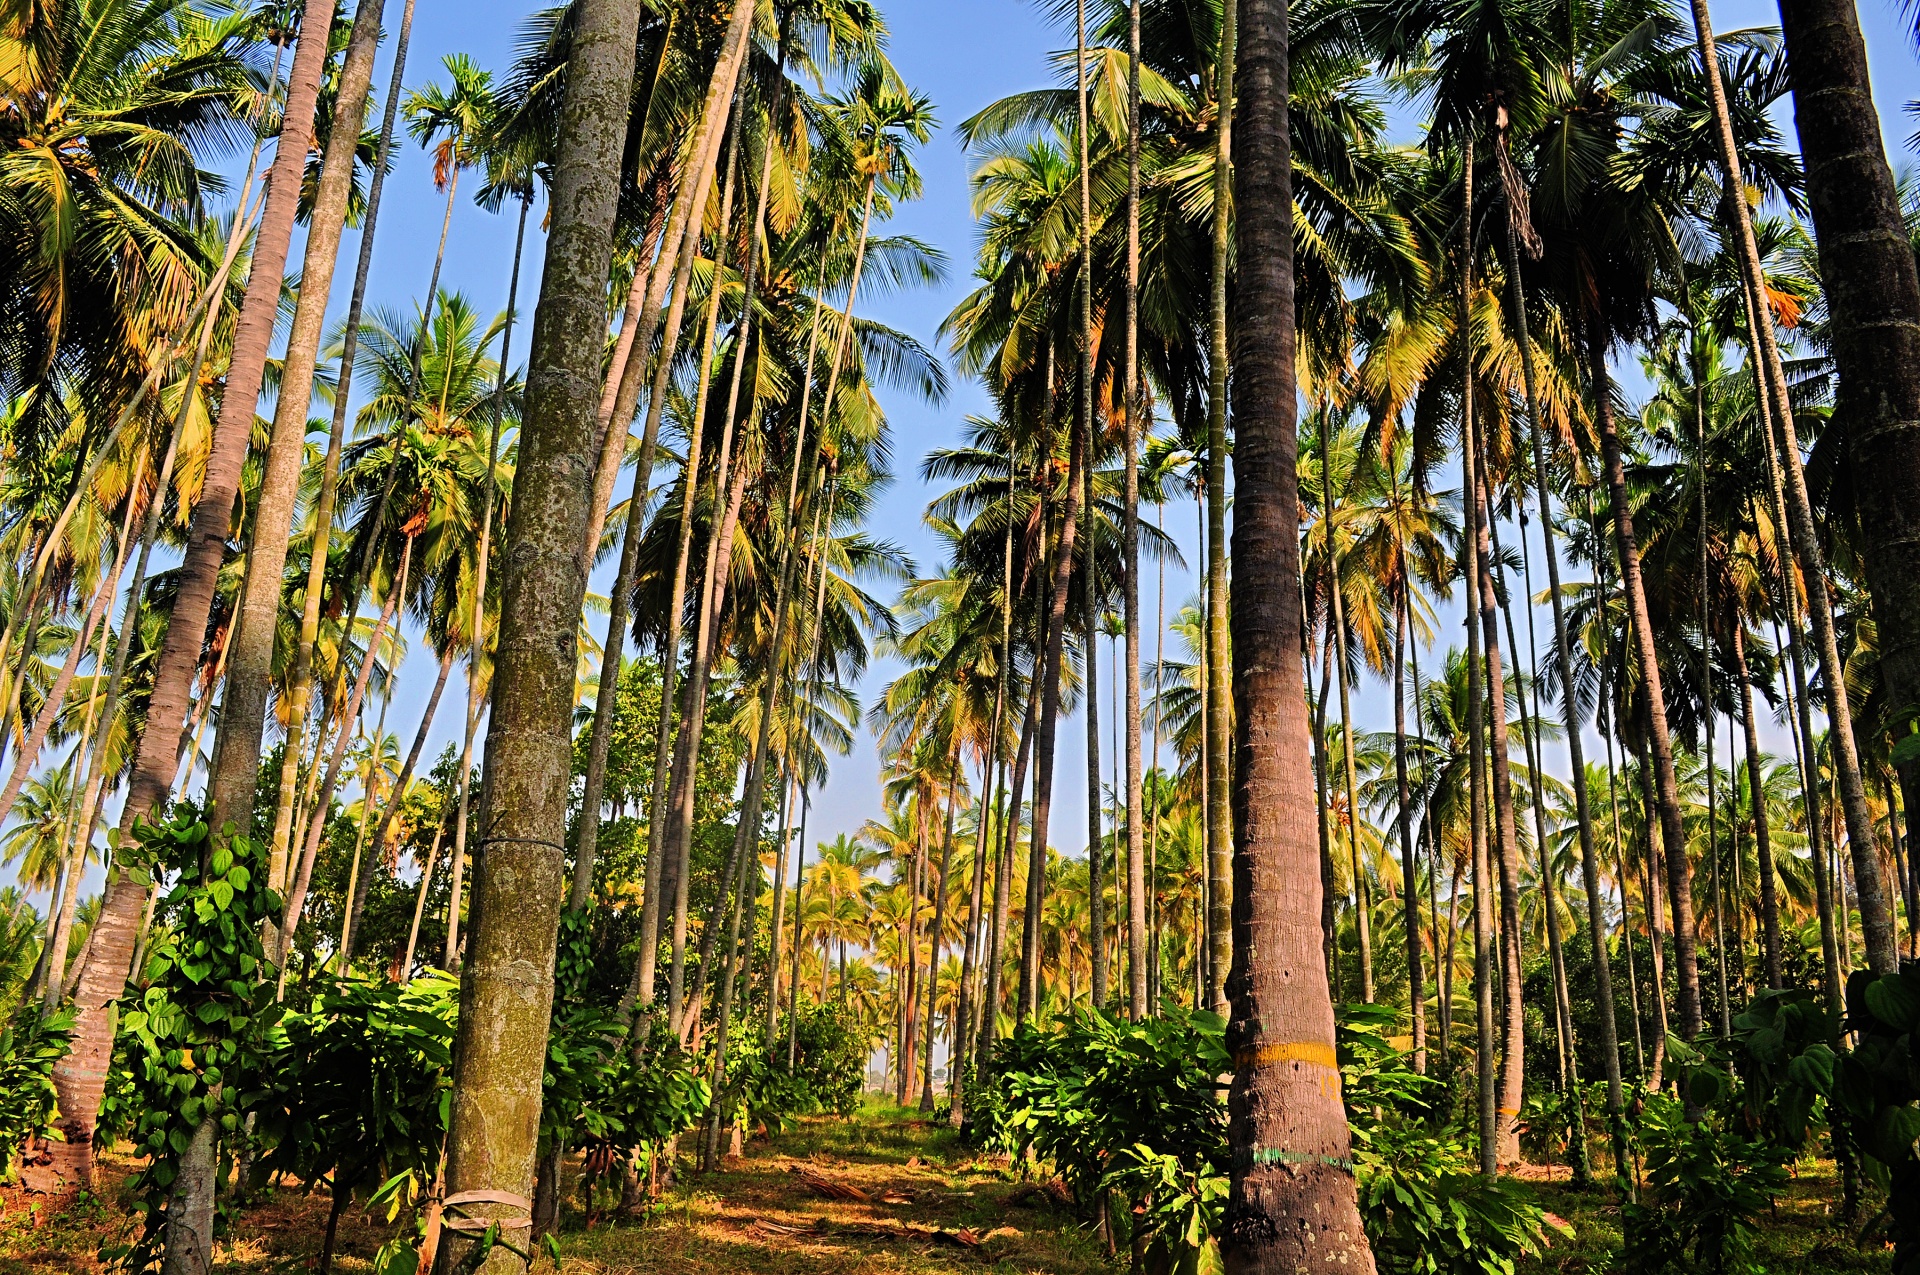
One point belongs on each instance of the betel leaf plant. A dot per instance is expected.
(29, 1047)
(197, 1024)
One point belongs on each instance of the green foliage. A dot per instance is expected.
(829, 1067)
(1127, 1108)
(197, 1029)
(357, 1085)
(582, 1039)
(1705, 1186)
(29, 1047)
(1425, 1205)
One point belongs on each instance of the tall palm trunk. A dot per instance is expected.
(1762, 835)
(1660, 743)
(56, 696)
(1572, 721)
(1003, 872)
(300, 672)
(1532, 747)
(607, 697)
(80, 1077)
(1362, 899)
(1130, 548)
(1096, 856)
(1215, 758)
(681, 238)
(243, 709)
(506, 994)
(483, 557)
(1323, 802)
(1506, 837)
(1049, 698)
(322, 804)
(399, 794)
(1409, 869)
(1873, 294)
(1292, 1194)
(939, 928)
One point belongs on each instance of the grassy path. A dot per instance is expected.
(885, 1192)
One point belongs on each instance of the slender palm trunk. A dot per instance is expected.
(450, 955)
(607, 698)
(1666, 788)
(420, 901)
(1049, 700)
(682, 238)
(939, 928)
(1762, 835)
(323, 800)
(1409, 869)
(1507, 841)
(1323, 801)
(1130, 549)
(1362, 896)
(400, 783)
(1571, 719)
(243, 714)
(79, 1078)
(1292, 1193)
(1219, 709)
(1532, 747)
(56, 696)
(1003, 873)
(1096, 856)
(300, 673)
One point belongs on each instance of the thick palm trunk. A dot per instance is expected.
(1762, 835)
(300, 673)
(1292, 1205)
(80, 1077)
(243, 711)
(1049, 719)
(1215, 759)
(1660, 743)
(1873, 294)
(506, 994)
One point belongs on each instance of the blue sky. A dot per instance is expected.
(963, 54)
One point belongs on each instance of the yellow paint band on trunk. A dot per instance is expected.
(1314, 1053)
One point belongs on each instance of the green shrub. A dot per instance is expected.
(29, 1048)
(1426, 1207)
(1705, 1186)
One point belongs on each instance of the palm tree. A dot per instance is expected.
(80, 1076)
(230, 788)
(517, 882)
(1277, 975)
(455, 121)
(1873, 295)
